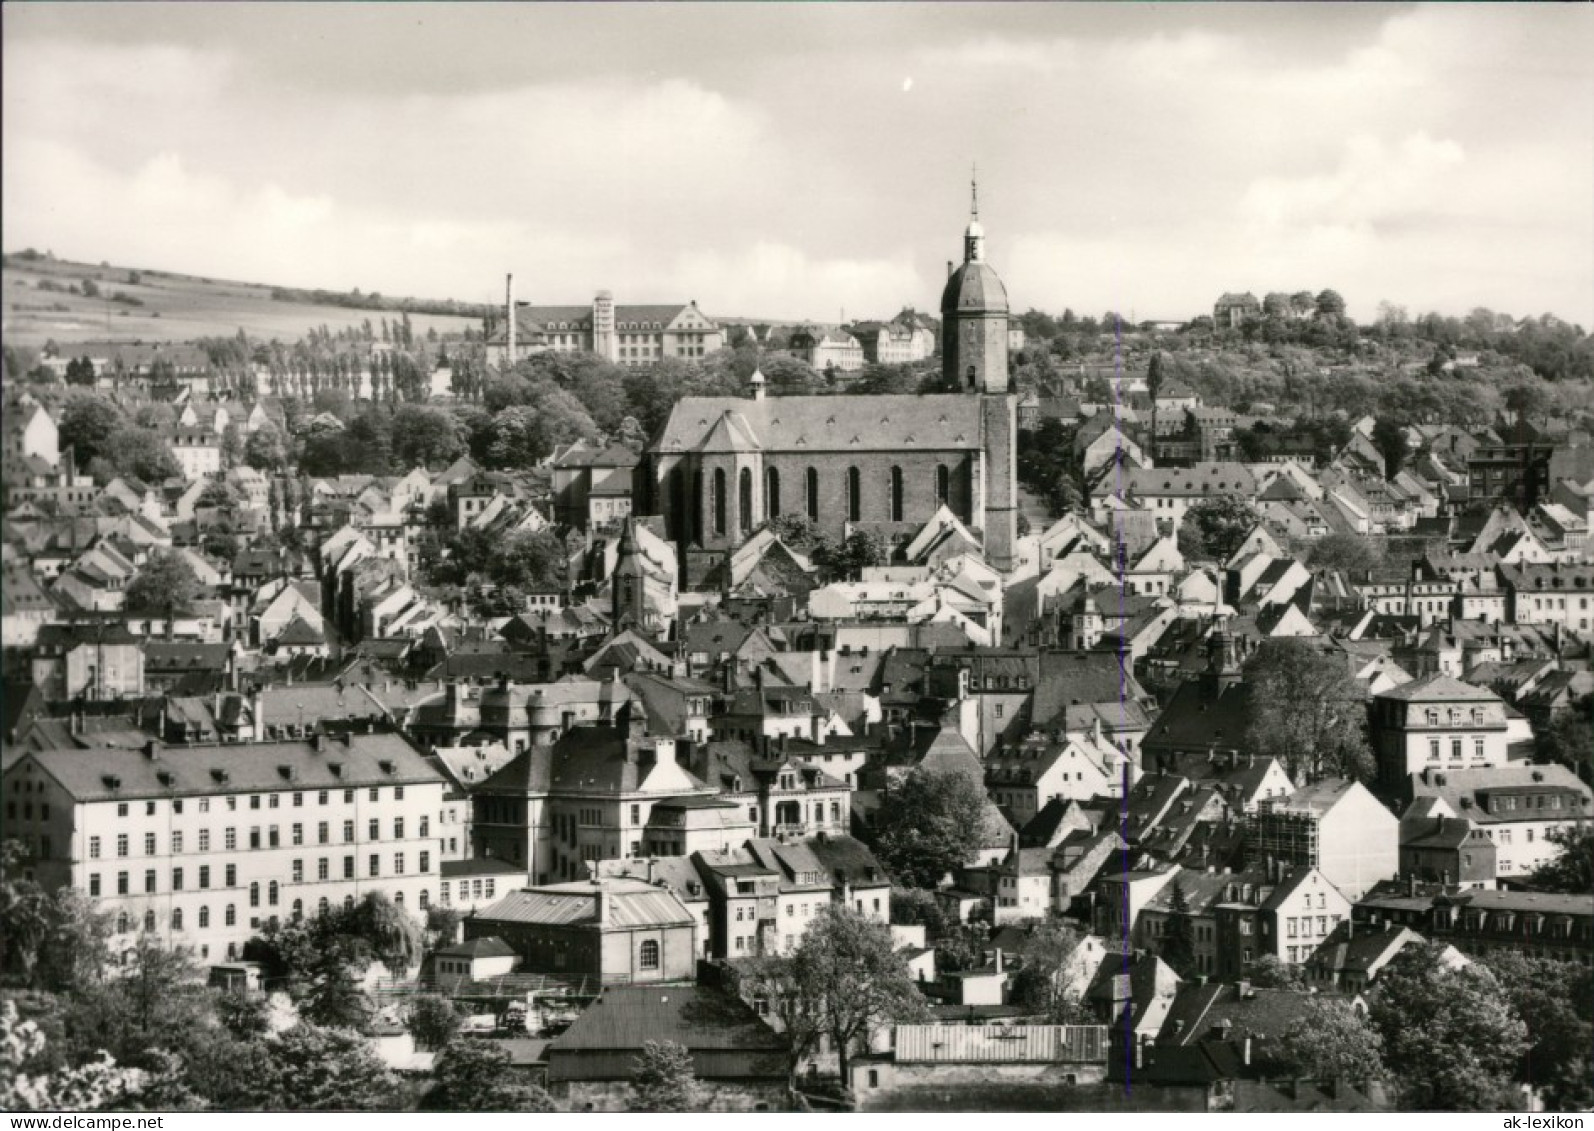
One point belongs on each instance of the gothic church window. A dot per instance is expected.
(745, 500)
(717, 502)
(896, 494)
(772, 493)
(854, 495)
(812, 490)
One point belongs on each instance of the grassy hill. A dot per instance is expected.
(162, 306)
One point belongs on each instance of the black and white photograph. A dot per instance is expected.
(883, 558)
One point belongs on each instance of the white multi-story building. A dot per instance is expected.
(203, 845)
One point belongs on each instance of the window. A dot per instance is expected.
(323, 833)
(254, 837)
(811, 493)
(177, 879)
(204, 918)
(121, 844)
(744, 501)
(426, 862)
(121, 883)
(1477, 748)
(94, 883)
(896, 494)
(204, 840)
(254, 894)
(322, 868)
(230, 916)
(232, 876)
(716, 501)
(204, 876)
(398, 793)
(943, 485)
(297, 871)
(254, 801)
(275, 837)
(348, 867)
(772, 493)
(149, 920)
(298, 800)
(398, 863)
(348, 832)
(1455, 748)
(398, 828)
(321, 798)
(375, 865)
(854, 495)
(231, 839)
(348, 797)
(426, 826)
(177, 918)
(274, 801)
(149, 808)
(271, 893)
(121, 809)
(648, 954)
(149, 881)
(375, 830)
(375, 794)
(94, 848)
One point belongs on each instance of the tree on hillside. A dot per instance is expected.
(87, 424)
(426, 437)
(930, 825)
(1269, 973)
(534, 560)
(433, 1021)
(473, 1075)
(1331, 1041)
(1330, 305)
(1556, 999)
(1040, 985)
(1214, 528)
(1451, 1037)
(848, 973)
(165, 586)
(265, 449)
(1572, 869)
(1154, 374)
(1343, 551)
(1177, 947)
(1389, 437)
(1308, 711)
(332, 1070)
(662, 1079)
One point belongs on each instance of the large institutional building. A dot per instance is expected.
(721, 466)
(625, 335)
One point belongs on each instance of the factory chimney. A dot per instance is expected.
(509, 311)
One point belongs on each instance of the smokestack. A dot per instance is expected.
(509, 310)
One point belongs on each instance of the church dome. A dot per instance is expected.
(974, 289)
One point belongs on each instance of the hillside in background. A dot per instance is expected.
(134, 304)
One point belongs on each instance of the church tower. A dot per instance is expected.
(974, 360)
(974, 317)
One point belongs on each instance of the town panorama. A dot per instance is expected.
(589, 701)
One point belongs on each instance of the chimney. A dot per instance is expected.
(317, 742)
(509, 310)
(603, 904)
(1246, 1056)
(152, 750)
(999, 960)
(948, 268)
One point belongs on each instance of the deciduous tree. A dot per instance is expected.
(473, 1075)
(1308, 711)
(1332, 1041)
(930, 825)
(1214, 528)
(852, 979)
(1451, 1037)
(663, 1080)
(165, 586)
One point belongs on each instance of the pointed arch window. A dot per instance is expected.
(772, 493)
(811, 490)
(744, 501)
(717, 501)
(896, 494)
(943, 485)
(854, 495)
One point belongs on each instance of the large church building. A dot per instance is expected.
(722, 466)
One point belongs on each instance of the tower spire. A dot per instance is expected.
(974, 192)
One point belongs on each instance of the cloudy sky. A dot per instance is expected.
(794, 161)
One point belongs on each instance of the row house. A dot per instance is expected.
(1557, 595)
(1540, 924)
